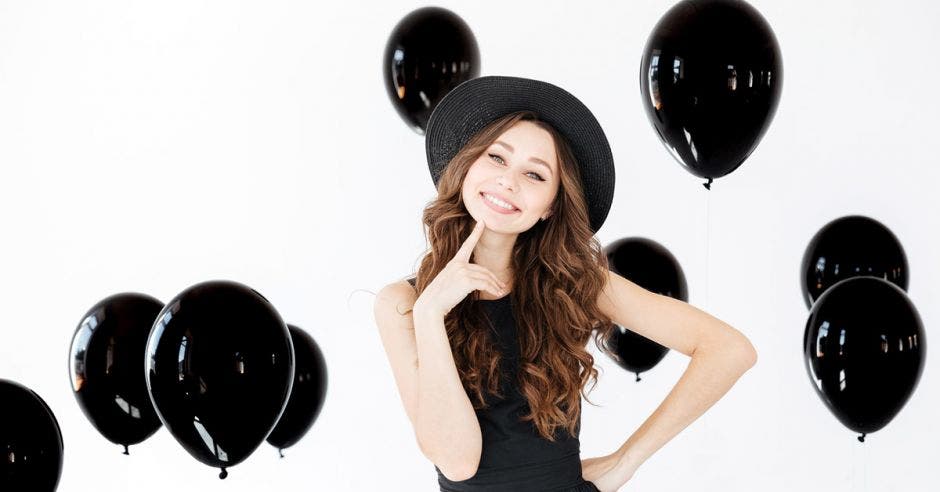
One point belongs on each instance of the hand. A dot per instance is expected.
(457, 279)
(608, 473)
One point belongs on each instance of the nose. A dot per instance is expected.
(506, 181)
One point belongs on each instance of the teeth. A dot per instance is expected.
(498, 202)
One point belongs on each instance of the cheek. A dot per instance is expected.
(477, 171)
(475, 176)
(471, 182)
(547, 198)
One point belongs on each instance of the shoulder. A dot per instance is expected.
(395, 298)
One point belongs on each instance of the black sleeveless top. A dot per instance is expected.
(514, 456)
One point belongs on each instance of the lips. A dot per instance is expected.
(497, 207)
(501, 197)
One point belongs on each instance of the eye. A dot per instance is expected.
(500, 160)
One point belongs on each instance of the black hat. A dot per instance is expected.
(474, 104)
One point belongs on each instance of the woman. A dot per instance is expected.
(488, 342)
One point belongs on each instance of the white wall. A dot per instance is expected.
(147, 146)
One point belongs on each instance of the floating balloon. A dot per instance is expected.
(220, 365)
(30, 441)
(848, 247)
(428, 53)
(651, 266)
(307, 394)
(864, 349)
(106, 363)
(710, 79)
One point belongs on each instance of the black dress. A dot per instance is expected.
(515, 457)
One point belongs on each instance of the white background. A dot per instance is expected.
(147, 146)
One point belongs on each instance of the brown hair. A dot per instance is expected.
(559, 271)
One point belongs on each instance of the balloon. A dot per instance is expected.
(30, 441)
(428, 53)
(849, 247)
(307, 394)
(710, 79)
(651, 266)
(106, 364)
(220, 365)
(864, 350)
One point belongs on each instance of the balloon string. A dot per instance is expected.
(855, 458)
(864, 465)
(708, 197)
(348, 307)
(707, 242)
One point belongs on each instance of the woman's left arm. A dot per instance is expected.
(720, 355)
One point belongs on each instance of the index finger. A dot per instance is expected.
(463, 254)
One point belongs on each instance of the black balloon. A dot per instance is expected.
(429, 52)
(220, 365)
(848, 247)
(710, 80)
(30, 441)
(106, 365)
(864, 350)
(651, 266)
(307, 394)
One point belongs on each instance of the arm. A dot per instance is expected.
(720, 355)
(416, 343)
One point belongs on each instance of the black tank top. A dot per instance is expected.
(514, 456)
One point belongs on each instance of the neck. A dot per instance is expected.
(494, 252)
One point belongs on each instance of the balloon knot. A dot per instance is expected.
(637, 377)
(861, 438)
(280, 452)
(126, 452)
(223, 474)
(708, 185)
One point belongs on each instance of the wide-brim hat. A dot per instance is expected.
(476, 103)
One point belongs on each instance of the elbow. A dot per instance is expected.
(742, 349)
(748, 354)
(735, 347)
(455, 463)
(459, 472)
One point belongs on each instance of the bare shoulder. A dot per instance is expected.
(396, 298)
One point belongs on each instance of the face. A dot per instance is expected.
(520, 169)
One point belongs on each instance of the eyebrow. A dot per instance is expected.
(531, 159)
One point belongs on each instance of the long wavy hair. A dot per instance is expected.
(559, 271)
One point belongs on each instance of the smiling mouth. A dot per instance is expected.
(483, 195)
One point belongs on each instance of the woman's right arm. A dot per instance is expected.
(445, 424)
(416, 342)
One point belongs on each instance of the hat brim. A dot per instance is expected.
(476, 103)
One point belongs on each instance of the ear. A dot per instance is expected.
(550, 211)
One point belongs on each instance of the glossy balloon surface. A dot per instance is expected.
(219, 369)
(31, 446)
(651, 266)
(106, 365)
(307, 394)
(711, 75)
(848, 247)
(429, 52)
(864, 350)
